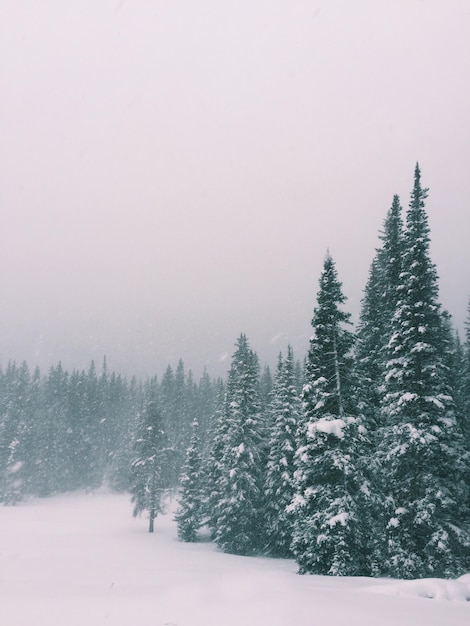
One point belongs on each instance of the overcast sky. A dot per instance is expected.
(172, 172)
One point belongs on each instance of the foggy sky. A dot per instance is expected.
(173, 172)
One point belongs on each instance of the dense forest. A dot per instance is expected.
(353, 461)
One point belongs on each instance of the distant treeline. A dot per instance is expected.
(66, 431)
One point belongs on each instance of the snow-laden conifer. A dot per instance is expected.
(328, 534)
(377, 310)
(238, 513)
(372, 336)
(279, 487)
(464, 383)
(152, 465)
(390, 259)
(420, 443)
(218, 433)
(191, 510)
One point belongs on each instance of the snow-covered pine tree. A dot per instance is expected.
(218, 433)
(420, 443)
(151, 467)
(192, 498)
(328, 536)
(285, 410)
(373, 333)
(266, 387)
(299, 376)
(464, 382)
(369, 348)
(378, 308)
(390, 258)
(205, 407)
(239, 511)
(181, 421)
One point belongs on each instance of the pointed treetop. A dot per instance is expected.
(418, 195)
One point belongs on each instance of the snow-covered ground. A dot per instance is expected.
(82, 560)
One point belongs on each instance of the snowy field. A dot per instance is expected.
(82, 560)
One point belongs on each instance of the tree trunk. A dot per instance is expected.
(151, 520)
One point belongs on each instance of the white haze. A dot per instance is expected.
(172, 173)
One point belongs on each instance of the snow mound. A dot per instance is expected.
(433, 588)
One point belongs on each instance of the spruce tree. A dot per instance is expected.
(378, 308)
(370, 341)
(420, 443)
(239, 510)
(372, 336)
(390, 258)
(191, 510)
(328, 535)
(151, 476)
(218, 435)
(266, 387)
(464, 382)
(205, 409)
(279, 487)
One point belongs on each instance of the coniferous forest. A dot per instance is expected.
(353, 460)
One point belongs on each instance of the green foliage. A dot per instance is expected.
(285, 410)
(151, 467)
(378, 308)
(238, 511)
(421, 448)
(328, 536)
(63, 432)
(192, 498)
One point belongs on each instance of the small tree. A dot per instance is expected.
(151, 467)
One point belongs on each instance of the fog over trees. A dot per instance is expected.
(353, 460)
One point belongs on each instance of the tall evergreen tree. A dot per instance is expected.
(279, 487)
(329, 360)
(328, 537)
(464, 382)
(369, 349)
(239, 510)
(378, 307)
(191, 510)
(266, 387)
(218, 435)
(205, 400)
(420, 443)
(151, 476)
(390, 258)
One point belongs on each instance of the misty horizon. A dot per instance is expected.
(172, 175)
